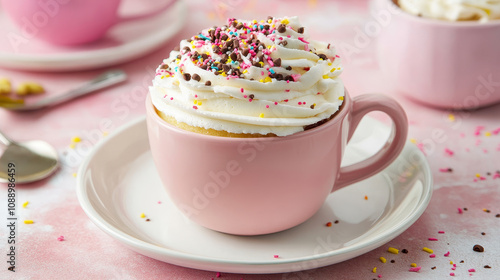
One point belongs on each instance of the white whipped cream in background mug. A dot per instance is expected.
(253, 99)
(453, 10)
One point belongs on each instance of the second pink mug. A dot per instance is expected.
(251, 186)
(68, 22)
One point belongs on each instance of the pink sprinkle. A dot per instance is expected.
(165, 96)
(462, 135)
(455, 265)
(267, 106)
(302, 40)
(306, 48)
(242, 90)
(460, 211)
(452, 274)
(433, 239)
(496, 175)
(245, 96)
(496, 131)
(472, 270)
(444, 170)
(300, 103)
(217, 275)
(171, 98)
(262, 73)
(482, 178)
(420, 146)
(287, 90)
(195, 107)
(276, 256)
(475, 180)
(159, 202)
(448, 151)
(295, 77)
(447, 254)
(415, 269)
(441, 232)
(485, 151)
(60, 238)
(432, 255)
(379, 276)
(453, 268)
(275, 103)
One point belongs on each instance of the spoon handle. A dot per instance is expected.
(107, 79)
(4, 139)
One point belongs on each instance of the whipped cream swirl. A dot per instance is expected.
(254, 77)
(453, 10)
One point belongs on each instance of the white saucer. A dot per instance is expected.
(118, 181)
(123, 42)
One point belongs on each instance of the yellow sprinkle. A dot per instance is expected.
(339, 68)
(430, 251)
(223, 74)
(261, 63)
(195, 102)
(413, 265)
(487, 133)
(326, 77)
(451, 117)
(74, 175)
(478, 175)
(451, 262)
(269, 21)
(72, 145)
(28, 221)
(333, 69)
(142, 215)
(285, 21)
(382, 259)
(261, 80)
(261, 115)
(25, 204)
(366, 197)
(341, 98)
(393, 250)
(245, 71)
(76, 139)
(374, 270)
(254, 21)
(485, 210)
(330, 64)
(268, 80)
(413, 140)
(105, 133)
(199, 103)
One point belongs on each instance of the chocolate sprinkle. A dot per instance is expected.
(208, 83)
(289, 68)
(147, 220)
(312, 106)
(497, 215)
(282, 28)
(277, 62)
(462, 261)
(433, 267)
(393, 261)
(186, 76)
(196, 77)
(487, 266)
(404, 251)
(483, 233)
(251, 96)
(478, 248)
(300, 30)
(336, 221)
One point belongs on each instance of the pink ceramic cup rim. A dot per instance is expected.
(444, 23)
(338, 117)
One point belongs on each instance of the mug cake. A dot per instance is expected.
(249, 79)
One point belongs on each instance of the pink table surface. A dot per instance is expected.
(88, 253)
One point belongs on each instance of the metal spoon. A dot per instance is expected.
(107, 79)
(26, 162)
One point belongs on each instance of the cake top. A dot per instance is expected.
(453, 10)
(250, 77)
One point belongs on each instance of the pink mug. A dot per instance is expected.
(443, 64)
(68, 22)
(251, 186)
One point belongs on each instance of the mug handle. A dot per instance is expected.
(362, 105)
(169, 4)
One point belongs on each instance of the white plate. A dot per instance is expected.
(123, 42)
(118, 182)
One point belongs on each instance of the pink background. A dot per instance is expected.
(88, 253)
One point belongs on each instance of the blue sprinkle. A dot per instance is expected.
(251, 47)
(204, 37)
(272, 71)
